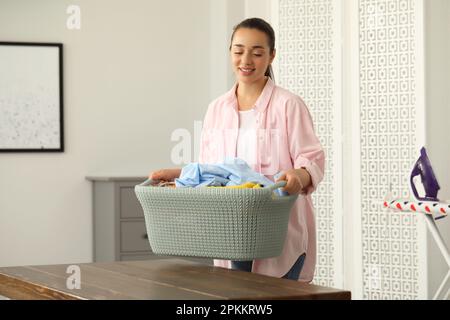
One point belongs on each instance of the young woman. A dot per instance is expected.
(272, 130)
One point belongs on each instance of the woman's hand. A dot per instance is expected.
(165, 174)
(297, 180)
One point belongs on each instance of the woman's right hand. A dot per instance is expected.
(165, 174)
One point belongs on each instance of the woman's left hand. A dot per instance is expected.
(296, 180)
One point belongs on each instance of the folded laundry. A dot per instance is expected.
(231, 172)
(247, 185)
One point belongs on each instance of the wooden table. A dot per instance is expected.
(171, 279)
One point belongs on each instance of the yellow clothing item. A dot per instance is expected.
(246, 185)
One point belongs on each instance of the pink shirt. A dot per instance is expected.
(285, 140)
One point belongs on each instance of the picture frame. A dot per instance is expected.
(31, 97)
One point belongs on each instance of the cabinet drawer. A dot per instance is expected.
(129, 204)
(133, 236)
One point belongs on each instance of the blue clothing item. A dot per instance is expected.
(231, 172)
(279, 190)
(242, 265)
(292, 274)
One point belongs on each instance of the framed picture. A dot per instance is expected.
(31, 97)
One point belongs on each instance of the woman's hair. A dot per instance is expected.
(263, 26)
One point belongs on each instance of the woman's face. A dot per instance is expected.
(250, 55)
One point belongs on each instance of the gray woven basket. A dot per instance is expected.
(222, 223)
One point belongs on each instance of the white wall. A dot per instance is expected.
(224, 15)
(437, 30)
(134, 72)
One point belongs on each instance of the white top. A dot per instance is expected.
(246, 142)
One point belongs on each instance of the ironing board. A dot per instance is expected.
(426, 202)
(427, 211)
(432, 227)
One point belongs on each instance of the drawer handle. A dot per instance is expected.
(145, 236)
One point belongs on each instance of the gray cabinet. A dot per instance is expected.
(118, 222)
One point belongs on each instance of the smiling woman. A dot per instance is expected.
(271, 129)
(251, 57)
(252, 51)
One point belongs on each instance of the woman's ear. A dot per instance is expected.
(273, 55)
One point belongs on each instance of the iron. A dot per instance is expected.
(430, 184)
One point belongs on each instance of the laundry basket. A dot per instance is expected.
(222, 223)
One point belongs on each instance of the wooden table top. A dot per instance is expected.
(168, 279)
